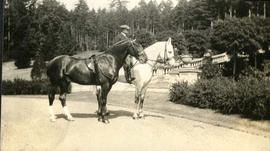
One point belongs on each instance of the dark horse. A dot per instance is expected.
(103, 71)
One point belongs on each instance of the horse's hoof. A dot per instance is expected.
(99, 119)
(135, 116)
(105, 121)
(53, 120)
(70, 119)
(141, 116)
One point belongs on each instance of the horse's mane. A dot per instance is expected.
(117, 44)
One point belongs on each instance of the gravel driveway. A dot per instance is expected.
(25, 126)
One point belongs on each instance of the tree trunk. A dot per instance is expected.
(257, 9)
(183, 25)
(9, 26)
(231, 11)
(87, 42)
(219, 14)
(107, 39)
(255, 60)
(264, 10)
(234, 64)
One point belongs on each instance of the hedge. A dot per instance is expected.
(20, 86)
(249, 97)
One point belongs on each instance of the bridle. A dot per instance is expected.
(165, 57)
(140, 53)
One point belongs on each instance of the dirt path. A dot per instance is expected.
(25, 127)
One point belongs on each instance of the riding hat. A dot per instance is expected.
(125, 27)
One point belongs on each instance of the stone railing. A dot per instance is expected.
(189, 62)
(198, 62)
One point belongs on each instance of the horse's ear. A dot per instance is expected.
(169, 40)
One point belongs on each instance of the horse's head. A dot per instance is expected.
(167, 55)
(136, 50)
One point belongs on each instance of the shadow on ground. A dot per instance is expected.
(113, 114)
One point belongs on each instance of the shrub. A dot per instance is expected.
(210, 70)
(179, 92)
(20, 86)
(22, 60)
(249, 96)
(254, 96)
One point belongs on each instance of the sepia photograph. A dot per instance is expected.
(135, 75)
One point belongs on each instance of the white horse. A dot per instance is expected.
(159, 52)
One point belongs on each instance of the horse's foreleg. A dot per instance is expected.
(51, 96)
(105, 88)
(98, 94)
(140, 110)
(137, 103)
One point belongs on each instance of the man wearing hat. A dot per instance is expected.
(123, 34)
(127, 66)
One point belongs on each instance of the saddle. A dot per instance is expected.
(104, 65)
(90, 63)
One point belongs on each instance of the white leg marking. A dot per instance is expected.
(52, 116)
(135, 115)
(140, 114)
(66, 112)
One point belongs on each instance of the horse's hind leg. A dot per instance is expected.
(51, 95)
(140, 112)
(62, 97)
(137, 100)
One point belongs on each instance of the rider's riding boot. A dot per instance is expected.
(128, 76)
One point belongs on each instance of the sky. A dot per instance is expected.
(96, 4)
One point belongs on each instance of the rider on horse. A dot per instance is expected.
(128, 64)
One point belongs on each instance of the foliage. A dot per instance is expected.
(194, 14)
(50, 18)
(20, 39)
(20, 86)
(237, 35)
(47, 26)
(144, 37)
(178, 39)
(210, 70)
(22, 59)
(248, 96)
(197, 42)
(263, 26)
